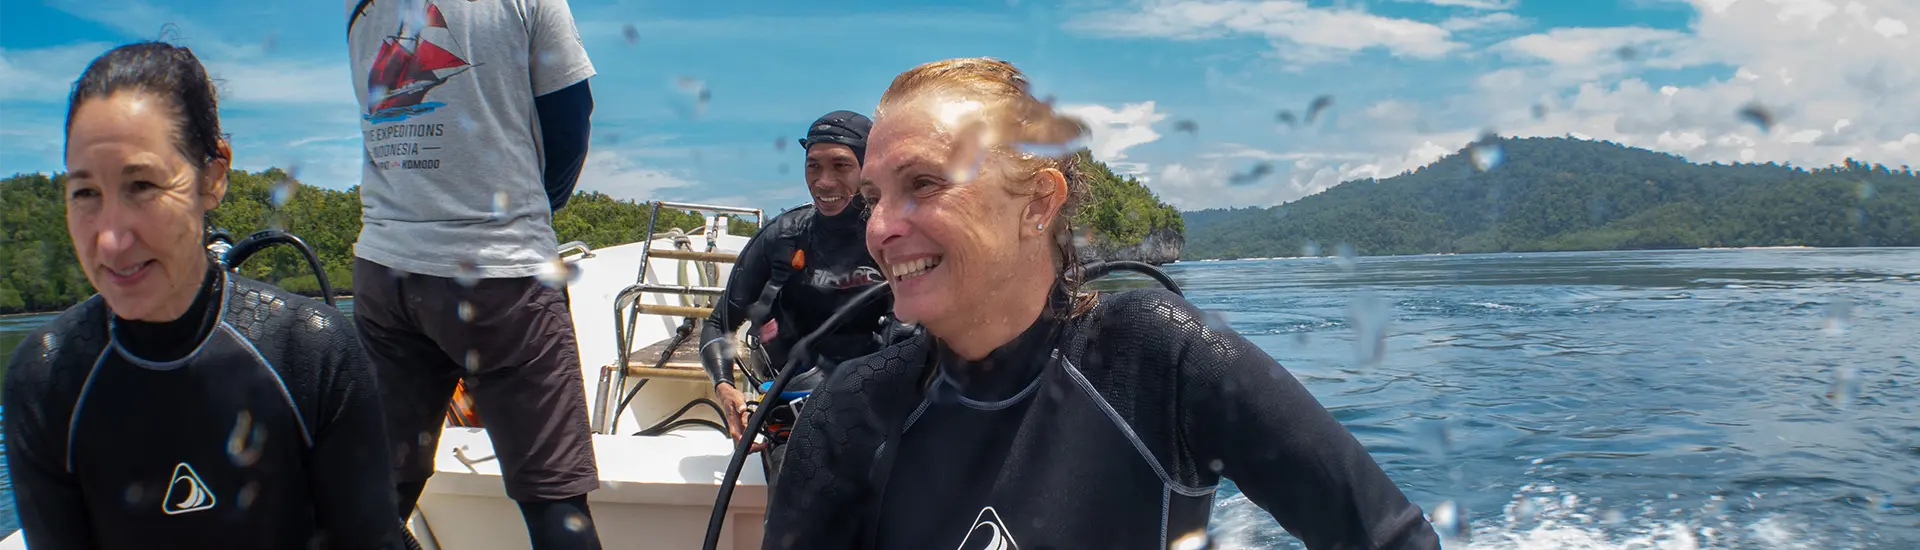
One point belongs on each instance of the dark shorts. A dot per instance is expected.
(513, 345)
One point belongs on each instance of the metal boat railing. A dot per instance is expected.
(697, 292)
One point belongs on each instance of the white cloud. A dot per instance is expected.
(45, 74)
(1839, 83)
(283, 81)
(1299, 32)
(1484, 21)
(1116, 130)
(1812, 64)
(615, 173)
(1475, 4)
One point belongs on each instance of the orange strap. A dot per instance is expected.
(460, 411)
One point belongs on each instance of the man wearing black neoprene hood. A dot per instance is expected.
(799, 270)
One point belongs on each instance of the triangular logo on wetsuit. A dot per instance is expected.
(988, 533)
(186, 493)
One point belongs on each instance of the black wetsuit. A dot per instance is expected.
(250, 422)
(836, 268)
(1111, 429)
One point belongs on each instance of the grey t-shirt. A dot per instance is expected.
(452, 139)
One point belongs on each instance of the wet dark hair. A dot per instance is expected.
(166, 71)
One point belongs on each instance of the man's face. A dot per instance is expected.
(832, 176)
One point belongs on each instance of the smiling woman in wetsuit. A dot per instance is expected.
(183, 406)
(1031, 414)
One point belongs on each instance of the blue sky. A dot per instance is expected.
(1410, 80)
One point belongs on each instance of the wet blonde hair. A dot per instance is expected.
(1008, 120)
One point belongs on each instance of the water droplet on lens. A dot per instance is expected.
(247, 441)
(1438, 435)
(1879, 503)
(1846, 387)
(1319, 105)
(1486, 153)
(282, 192)
(557, 273)
(969, 153)
(1450, 520)
(499, 205)
(1216, 465)
(1525, 510)
(248, 493)
(1368, 315)
(576, 522)
(1188, 126)
(1345, 255)
(1758, 115)
(1216, 321)
(135, 493)
(1627, 53)
(1302, 337)
(425, 438)
(466, 311)
(1864, 190)
(473, 359)
(1539, 111)
(468, 274)
(783, 168)
(1310, 250)
(1197, 540)
(1834, 322)
(632, 34)
(1612, 516)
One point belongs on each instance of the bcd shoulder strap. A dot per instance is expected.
(787, 258)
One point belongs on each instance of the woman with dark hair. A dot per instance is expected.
(182, 405)
(1030, 414)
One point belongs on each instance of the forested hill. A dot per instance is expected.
(38, 271)
(1568, 194)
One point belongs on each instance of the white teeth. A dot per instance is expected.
(914, 268)
(128, 271)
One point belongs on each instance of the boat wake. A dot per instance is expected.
(1543, 518)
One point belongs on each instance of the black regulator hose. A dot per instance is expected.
(752, 429)
(1101, 269)
(1088, 273)
(260, 240)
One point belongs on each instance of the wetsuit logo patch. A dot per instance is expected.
(186, 493)
(988, 533)
(861, 276)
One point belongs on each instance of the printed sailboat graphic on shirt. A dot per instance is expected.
(401, 76)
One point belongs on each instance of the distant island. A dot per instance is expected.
(38, 272)
(1562, 194)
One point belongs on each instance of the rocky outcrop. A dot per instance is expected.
(1161, 246)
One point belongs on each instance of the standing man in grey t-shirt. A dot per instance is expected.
(474, 116)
